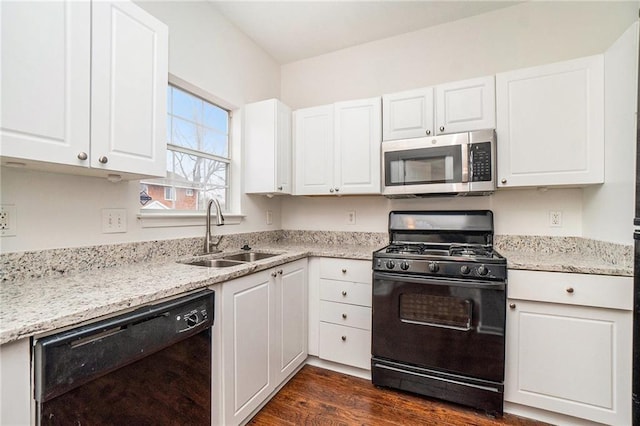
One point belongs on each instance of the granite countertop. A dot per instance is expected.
(565, 262)
(45, 304)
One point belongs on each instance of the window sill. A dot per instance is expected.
(174, 219)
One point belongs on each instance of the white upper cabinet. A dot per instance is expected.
(551, 124)
(466, 105)
(357, 147)
(46, 49)
(313, 146)
(267, 148)
(338, 148)
(407, 114)
(84, 84)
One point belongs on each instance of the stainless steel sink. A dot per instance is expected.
(215, 263)
(249, 256)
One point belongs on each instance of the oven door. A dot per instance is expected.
(450, 325)
(426, 165)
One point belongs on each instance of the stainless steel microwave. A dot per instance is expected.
(455, 164)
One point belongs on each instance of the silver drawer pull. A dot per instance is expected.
(344, 316)
(344, 338)
(344, 270)
(344, 293)
(512, 305)
(569, 290)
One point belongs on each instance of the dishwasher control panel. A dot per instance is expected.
(193, 317)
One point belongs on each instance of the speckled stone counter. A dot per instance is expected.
(41, 305)
(565, 254)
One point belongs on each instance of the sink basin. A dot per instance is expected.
(215, 263)
(249, 256)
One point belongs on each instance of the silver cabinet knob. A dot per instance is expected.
(82, 156)
(337, 189)
(512, 305)
(279, 271)
(504, 180)
(344, 338)
(280, 188)
(103, 160)
(570, 290)
(344, 293)
(428, 132)
(344, 270)
(344, 316)
(331, 190)
(273, 274)
(442, 128)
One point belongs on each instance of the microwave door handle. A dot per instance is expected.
(467, 162)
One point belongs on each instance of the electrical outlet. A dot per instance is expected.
(114, 221)
(555, 218)
(8, 218)
(351, 217)
(269, 217)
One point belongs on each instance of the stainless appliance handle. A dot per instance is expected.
(433, 324)
(464, 158)
(442, 281)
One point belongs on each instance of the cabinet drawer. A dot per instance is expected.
(345, 345)
(602, 291)
(346, 270)
(345, 292)
(344, 314)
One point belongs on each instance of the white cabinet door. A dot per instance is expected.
(128, 89)
(267, 148)
(551, 124)
(568, 359)
(357, 140)
(290, 348)
(46, 62)
(247, 329)
(314, 150)
(407, 114)
(466, 105)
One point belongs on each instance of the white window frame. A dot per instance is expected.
(233, 215)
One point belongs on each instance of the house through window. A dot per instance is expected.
(197, 155)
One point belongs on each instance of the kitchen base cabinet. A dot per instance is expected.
(263, 336)
(16, 397)
(340, 320)
(568, 346)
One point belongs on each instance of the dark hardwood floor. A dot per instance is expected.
(316, 396)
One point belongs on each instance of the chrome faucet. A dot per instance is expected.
(219, 222)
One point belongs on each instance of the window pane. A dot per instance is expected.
(185, 134)
(215, 143)
(216, 118)
(186, 105)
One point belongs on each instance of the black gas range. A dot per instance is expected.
(439, 308)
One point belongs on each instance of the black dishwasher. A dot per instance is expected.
(151, 366)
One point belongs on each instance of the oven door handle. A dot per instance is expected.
(444, 281)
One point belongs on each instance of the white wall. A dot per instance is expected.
(609, 209)
(56, 210)
(519, 36)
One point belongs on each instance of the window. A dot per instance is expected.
(197, 155)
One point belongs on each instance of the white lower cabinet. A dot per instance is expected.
(568, 346)
(344, 312)
(264, 326)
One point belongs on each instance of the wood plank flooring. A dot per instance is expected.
(316, 396)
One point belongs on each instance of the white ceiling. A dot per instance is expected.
(294, 30)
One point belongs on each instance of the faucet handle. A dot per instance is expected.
(245, 247)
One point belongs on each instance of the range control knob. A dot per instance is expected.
(192, 320)
(404, 266)
(482, 270)
(390, 264)
(434, 267)
(464, 269)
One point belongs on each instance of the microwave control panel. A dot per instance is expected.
(480, 155)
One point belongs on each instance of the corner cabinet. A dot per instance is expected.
(264, 329)
(458, 106)
(337, 148)
(267, 148)
(551, 124)
(84, 84)
(568, 347)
